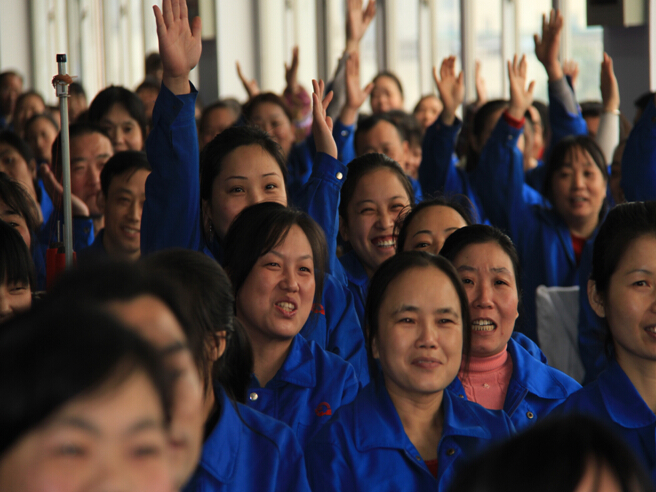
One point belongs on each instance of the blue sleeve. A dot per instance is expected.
(564, 114)
(171, 213)
(639, 159)
(343, 135)
(320, 199)
(499, 178)
(437, 172)
(83, 231)
(329, 468)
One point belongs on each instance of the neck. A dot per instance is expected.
(98, 223)
(582, 228)
(268, 356)
(643, 376)
(209, 403)
(422, 417)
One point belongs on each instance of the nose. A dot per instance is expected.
(111, 476)
(5, 309)
(134, 212)
(483, 296)
(289, 282)
(427, 336)
(578, 181)
(386, 219)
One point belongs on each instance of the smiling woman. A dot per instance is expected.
(404, 431)
(275, 258)
(503, 370)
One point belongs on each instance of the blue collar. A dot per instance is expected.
(298, 368)
(623, 402)
(374, 411)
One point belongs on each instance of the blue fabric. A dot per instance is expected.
(248, 451)
(93, 253)
(358, 282)
(541, 236)
(639, 158)
(172, 218)
(614, 400)
(438, 172)
(47, 206)
(364, 446)
(416, 189)
(534, 388)
(306, 390)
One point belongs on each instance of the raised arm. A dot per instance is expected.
(608, 134)
(171, 214)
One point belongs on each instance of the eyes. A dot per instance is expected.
(442, 320)
(371, 209)
(238, 189)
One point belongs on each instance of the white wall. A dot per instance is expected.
(15, 44)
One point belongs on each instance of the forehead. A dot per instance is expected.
(11, 80)
(41, 123)
(383, 131)
(426, 287)
(430, 102)
(90, 144)
(151, 318)
(249, 161)
(117, 112)
(134, 180)
(6, 148)
(436, 217)
(379, 183)
(484, 256)
(295, 242)
(267, 109)
(32, 100)
(387, 84)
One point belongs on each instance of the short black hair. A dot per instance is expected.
(16, 264)
(107, 98)
(121, 162)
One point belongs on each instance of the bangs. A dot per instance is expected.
(15, 262)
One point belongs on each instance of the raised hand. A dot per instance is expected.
(357, 21)
(322, 124)
(520, 97)
(179, 44)
(56, 192)
(252, 89)
(355, 95)
(451, 89)
(291, 72)
(547, 47)
(571, 69)
(610, 90)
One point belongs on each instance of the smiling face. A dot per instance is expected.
(578, 190)
(113, 439)
(272, 119)
(385, 96)
(155, 322)
(629, 306)
(122, 210)
(420, 339)
(122, 128)
(489, 279)
(430, 227)
(15, 297)
(89, 153)
(375, 205)
(276, 298)
(249, 175)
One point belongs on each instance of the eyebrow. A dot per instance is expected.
(11, 211)
(174, 348)
(406, 308)
(373, 201)
(279, 255)
(426, 231)
(639, 270)
(78, 423)
(125, 190)
(144, 424)
(244, 177)
(467, 268)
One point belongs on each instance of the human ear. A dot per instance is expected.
(595, 300)
(207, 216)
(374, 348)
(100, 201)
(343, 229)
(217, 345)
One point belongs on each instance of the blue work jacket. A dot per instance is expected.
(306, 390)
(534, 388)
(248, 451)
(614, 400)
(364, 446)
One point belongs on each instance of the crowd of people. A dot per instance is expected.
(287, 294)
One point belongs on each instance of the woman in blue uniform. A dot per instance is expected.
(501, 372)
(404, 431)
(622, 290)
(186, 210)
(275, 258)
(240, 444)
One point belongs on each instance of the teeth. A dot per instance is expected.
(386, 243)
(483, 325)
(131, 231)
(651, 329)
(287, 306)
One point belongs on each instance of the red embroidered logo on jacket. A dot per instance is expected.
(323, 409)
(318, 308)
